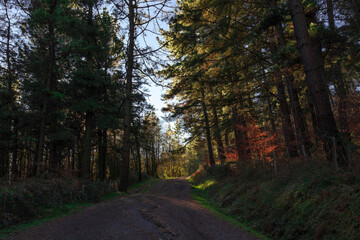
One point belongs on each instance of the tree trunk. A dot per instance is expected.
(15, 165)
(102, 154)
(271, 114)
(8, 148)
(237, 134)
(227, 132)
(241, 140)
(288, 131)
(147, 161)
(302, 132)
(219, 142)
(4, 160)
(314, 71)
(138, 157)
(89, 115)
(207, 128)
(356, 8)
(86, 149)
(335, 69)
(153, 161)
(124, 171)
(302, 136)
(49, 84)
(40, 151)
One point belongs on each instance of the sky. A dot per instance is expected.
(156, 91)
(155, 99)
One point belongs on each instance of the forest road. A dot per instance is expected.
(166, 211)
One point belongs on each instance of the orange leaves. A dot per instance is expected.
(231, 155)
(261, 143)
(255, 143)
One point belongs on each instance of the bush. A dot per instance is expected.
(23, 201)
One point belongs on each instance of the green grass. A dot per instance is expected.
(199, 194)
(113, 195)
(311, 202)
(148, 186)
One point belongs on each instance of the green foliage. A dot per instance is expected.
(199, 194)
(311, 203)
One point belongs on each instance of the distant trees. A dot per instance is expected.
(8, 89)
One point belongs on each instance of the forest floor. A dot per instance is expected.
(165, 211)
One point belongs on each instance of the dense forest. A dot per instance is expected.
(73, 76)
(261, 84)
(264, 83)
(268, 82)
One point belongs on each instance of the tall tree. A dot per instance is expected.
(314, 70)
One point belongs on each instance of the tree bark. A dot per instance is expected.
(356, 8)
(287, 128)
(271, 114)
(153, 161)
(217, 134)
(335, 69)
(241, 140)
(237, 134)
(207, 128)
(147, 161)
(10, 104)
(102, 133)
(86, 149)
(89, 115)
(125, 158)
(138, 158)
(49, 83)
(314, 70)
(302, 136)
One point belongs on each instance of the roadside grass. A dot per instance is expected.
(113, 195)
(199, 194)
(149, 185)
(309, 202)
(48, 214)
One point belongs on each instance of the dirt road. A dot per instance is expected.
(166, 211)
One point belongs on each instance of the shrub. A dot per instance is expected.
(30, 199)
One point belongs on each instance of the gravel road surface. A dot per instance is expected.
(165, 212)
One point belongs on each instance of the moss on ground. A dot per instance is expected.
(200, 195)
(309, 203)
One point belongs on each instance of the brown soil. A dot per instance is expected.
(166, 211)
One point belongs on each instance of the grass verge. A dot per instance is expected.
(200, 196)
(307, 202)
(149, 185)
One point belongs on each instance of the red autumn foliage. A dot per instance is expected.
(255, 142)
(231, 155)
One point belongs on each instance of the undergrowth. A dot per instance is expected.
(25, 204)
(306, 203)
